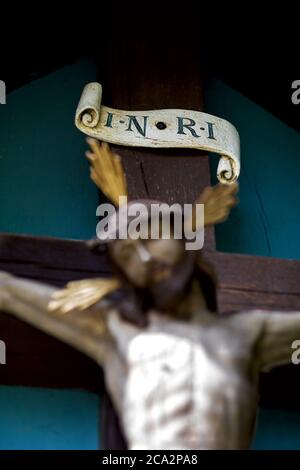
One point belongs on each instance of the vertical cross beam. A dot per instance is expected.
(153, 65)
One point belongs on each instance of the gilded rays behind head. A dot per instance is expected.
(107, 170)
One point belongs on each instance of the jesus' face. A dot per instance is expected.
(147, 262)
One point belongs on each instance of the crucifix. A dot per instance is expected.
(171, 176)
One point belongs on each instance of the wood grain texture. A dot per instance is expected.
(255, 282)
(146, 72)
(52, 260)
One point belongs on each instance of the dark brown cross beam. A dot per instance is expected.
(145, 67)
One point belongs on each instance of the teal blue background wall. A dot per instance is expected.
(45, 187)
(39, 418)
(267, 220)
(45, 190)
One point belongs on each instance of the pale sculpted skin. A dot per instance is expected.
(175, 384)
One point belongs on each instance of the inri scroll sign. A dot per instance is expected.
(165, 128)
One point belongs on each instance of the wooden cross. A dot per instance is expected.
(145, 68)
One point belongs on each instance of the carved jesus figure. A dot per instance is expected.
(180, 376)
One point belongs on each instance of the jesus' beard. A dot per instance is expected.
(164, 293)
(168, 285)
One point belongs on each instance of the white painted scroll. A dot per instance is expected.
(176, 128)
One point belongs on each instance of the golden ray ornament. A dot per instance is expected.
(80, 295)
(107, 170)
(218, 201)
(107, 173)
